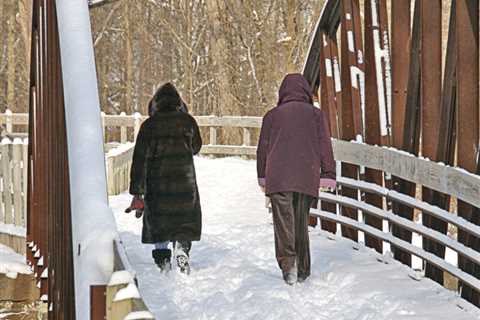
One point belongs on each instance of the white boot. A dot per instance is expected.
(182, 258)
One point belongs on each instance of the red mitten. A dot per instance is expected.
(138, 205)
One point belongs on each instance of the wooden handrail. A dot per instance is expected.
(453, 181)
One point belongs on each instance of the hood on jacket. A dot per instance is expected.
(295, 87)
(165, 99)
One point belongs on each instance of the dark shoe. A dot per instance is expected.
(301, 278)
(162, 258)
(290, 276)
(182, 258)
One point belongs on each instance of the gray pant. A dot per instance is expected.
(290, 224)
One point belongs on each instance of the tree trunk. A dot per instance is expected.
(11, 57)
(129, 63)
(291, 35)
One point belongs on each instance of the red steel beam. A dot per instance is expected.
(329, 75)
(377, 61)
(98, 301)
(351, 111)
(48, 210)
(400, 59)
(327, 84)
(468, 123)
(411, 133)
(431, 93)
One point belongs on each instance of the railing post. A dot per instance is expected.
(9, 121)
(213, 136)
(246, 137)
(117, 283)
(98, 302)
(103, 127)
(3, 194)
(7, 180)
(17, 181)
(24, 180)
(110, 176)
(123, 129)
(137, 123)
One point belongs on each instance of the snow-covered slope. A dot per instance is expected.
(235, 275)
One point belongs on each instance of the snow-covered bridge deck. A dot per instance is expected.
(235, 275)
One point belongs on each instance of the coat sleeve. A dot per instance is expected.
(262, 150)
(196, 139)
(138, 169)
(328, 164)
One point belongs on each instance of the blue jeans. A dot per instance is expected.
(184, 245)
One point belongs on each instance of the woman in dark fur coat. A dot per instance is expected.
(163, 178)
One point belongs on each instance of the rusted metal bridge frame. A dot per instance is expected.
(49, 207)
(49, 237)
(404, 103)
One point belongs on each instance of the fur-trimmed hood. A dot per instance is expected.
(166, 99)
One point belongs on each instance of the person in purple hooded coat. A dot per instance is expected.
(294, 160)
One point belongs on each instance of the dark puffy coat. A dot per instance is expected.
(294, 150)
(163, 171)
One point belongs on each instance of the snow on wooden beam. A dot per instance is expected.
(98, 3)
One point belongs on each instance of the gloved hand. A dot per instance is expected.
(138, 205)
(261, 184)
(327, 185)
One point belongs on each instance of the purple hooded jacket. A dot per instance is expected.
(295, 151)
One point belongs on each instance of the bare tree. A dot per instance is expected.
(225, 56)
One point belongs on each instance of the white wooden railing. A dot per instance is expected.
(119, 157)
(453, 181)
(435, 176)
(118, 162)
(119, 154)
(13, 188)
(129, 125)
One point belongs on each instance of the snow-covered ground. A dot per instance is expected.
(235, 274)
(12, 263)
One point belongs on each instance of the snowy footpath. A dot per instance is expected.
(235, 274)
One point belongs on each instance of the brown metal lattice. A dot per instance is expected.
(48, 215)
(422, 114)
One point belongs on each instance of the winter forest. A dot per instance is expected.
(227, 57)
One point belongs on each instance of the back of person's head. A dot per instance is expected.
(166, 98)
(295, 87)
